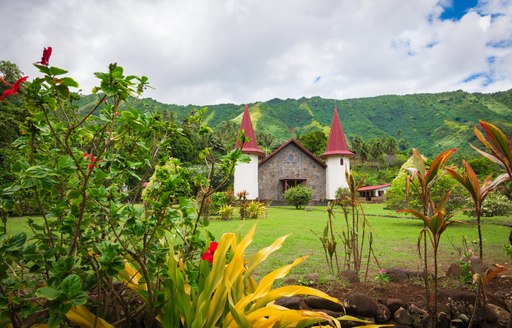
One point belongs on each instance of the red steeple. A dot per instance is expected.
(250, 147)
(337, 144)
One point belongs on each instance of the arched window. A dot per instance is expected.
(341, 161)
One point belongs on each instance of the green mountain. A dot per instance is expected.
(429, 122)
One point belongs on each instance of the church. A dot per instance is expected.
(267, 178)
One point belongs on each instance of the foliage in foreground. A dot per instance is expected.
(225, 294)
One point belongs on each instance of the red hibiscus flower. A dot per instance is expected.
(208, 255)
(91, 159)
(45, 60)
(15, 88)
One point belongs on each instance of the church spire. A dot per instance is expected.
(250, 147)
(337, 144)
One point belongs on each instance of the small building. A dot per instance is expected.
(375, 193)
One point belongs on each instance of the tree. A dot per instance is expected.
(314, 141)
(359, 146)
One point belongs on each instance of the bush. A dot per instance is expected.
(225, 212)
(396, 198)
(255, 209)
(495, 204)
(299, 196)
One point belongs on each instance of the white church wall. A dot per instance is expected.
(246, 177)
(335, 174)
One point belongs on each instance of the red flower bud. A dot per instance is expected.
(45, 60)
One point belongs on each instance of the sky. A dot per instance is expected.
(206, 52)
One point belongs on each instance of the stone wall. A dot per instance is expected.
(290, 163)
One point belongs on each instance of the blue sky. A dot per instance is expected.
(216, 51)
(456, 9)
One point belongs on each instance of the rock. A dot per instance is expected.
(497, 316)
(383, 314)
(414, 309)
(350, 276)
(394, 304)
(361, 305)
(464, 318)
(323, 304)
(457, 323)
(454, 271)
(419, 316)
(458, 302)
(398, 274)
(293, 303)
(402, 317)
(443, 320)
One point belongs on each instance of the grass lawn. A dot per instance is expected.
(395, 237)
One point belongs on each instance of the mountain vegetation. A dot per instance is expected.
(429, 122)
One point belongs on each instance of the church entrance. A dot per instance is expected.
(289, 183)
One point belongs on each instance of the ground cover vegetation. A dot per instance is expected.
(124, 199)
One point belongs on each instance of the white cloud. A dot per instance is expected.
(205, 52)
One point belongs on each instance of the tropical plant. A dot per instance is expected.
(355, 231)
(255, 209)
(225, 212)
(225, 294)
(499, 147)
(298, 196)
(422, 180)
(243, 202)
(478, 192)
(435, 226)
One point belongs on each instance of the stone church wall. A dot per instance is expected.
(290, 163)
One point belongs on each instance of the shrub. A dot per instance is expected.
(299, 196)
(255, 209)
(495, 204)
(225, 212)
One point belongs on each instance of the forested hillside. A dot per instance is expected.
(429, 122)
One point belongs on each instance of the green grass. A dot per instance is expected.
(395, 237)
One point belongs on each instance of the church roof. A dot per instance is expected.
(337, 144)
(298, 145)
(250, 147)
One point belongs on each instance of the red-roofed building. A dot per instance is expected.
(369, 192)
(292, 164)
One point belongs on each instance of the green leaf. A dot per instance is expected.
(66, 165)
(72, 287)
(15, 242)
(19, 166)
(69, 82)
(49, 293)
(54, 71)
(63, 90)
(37, 171)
